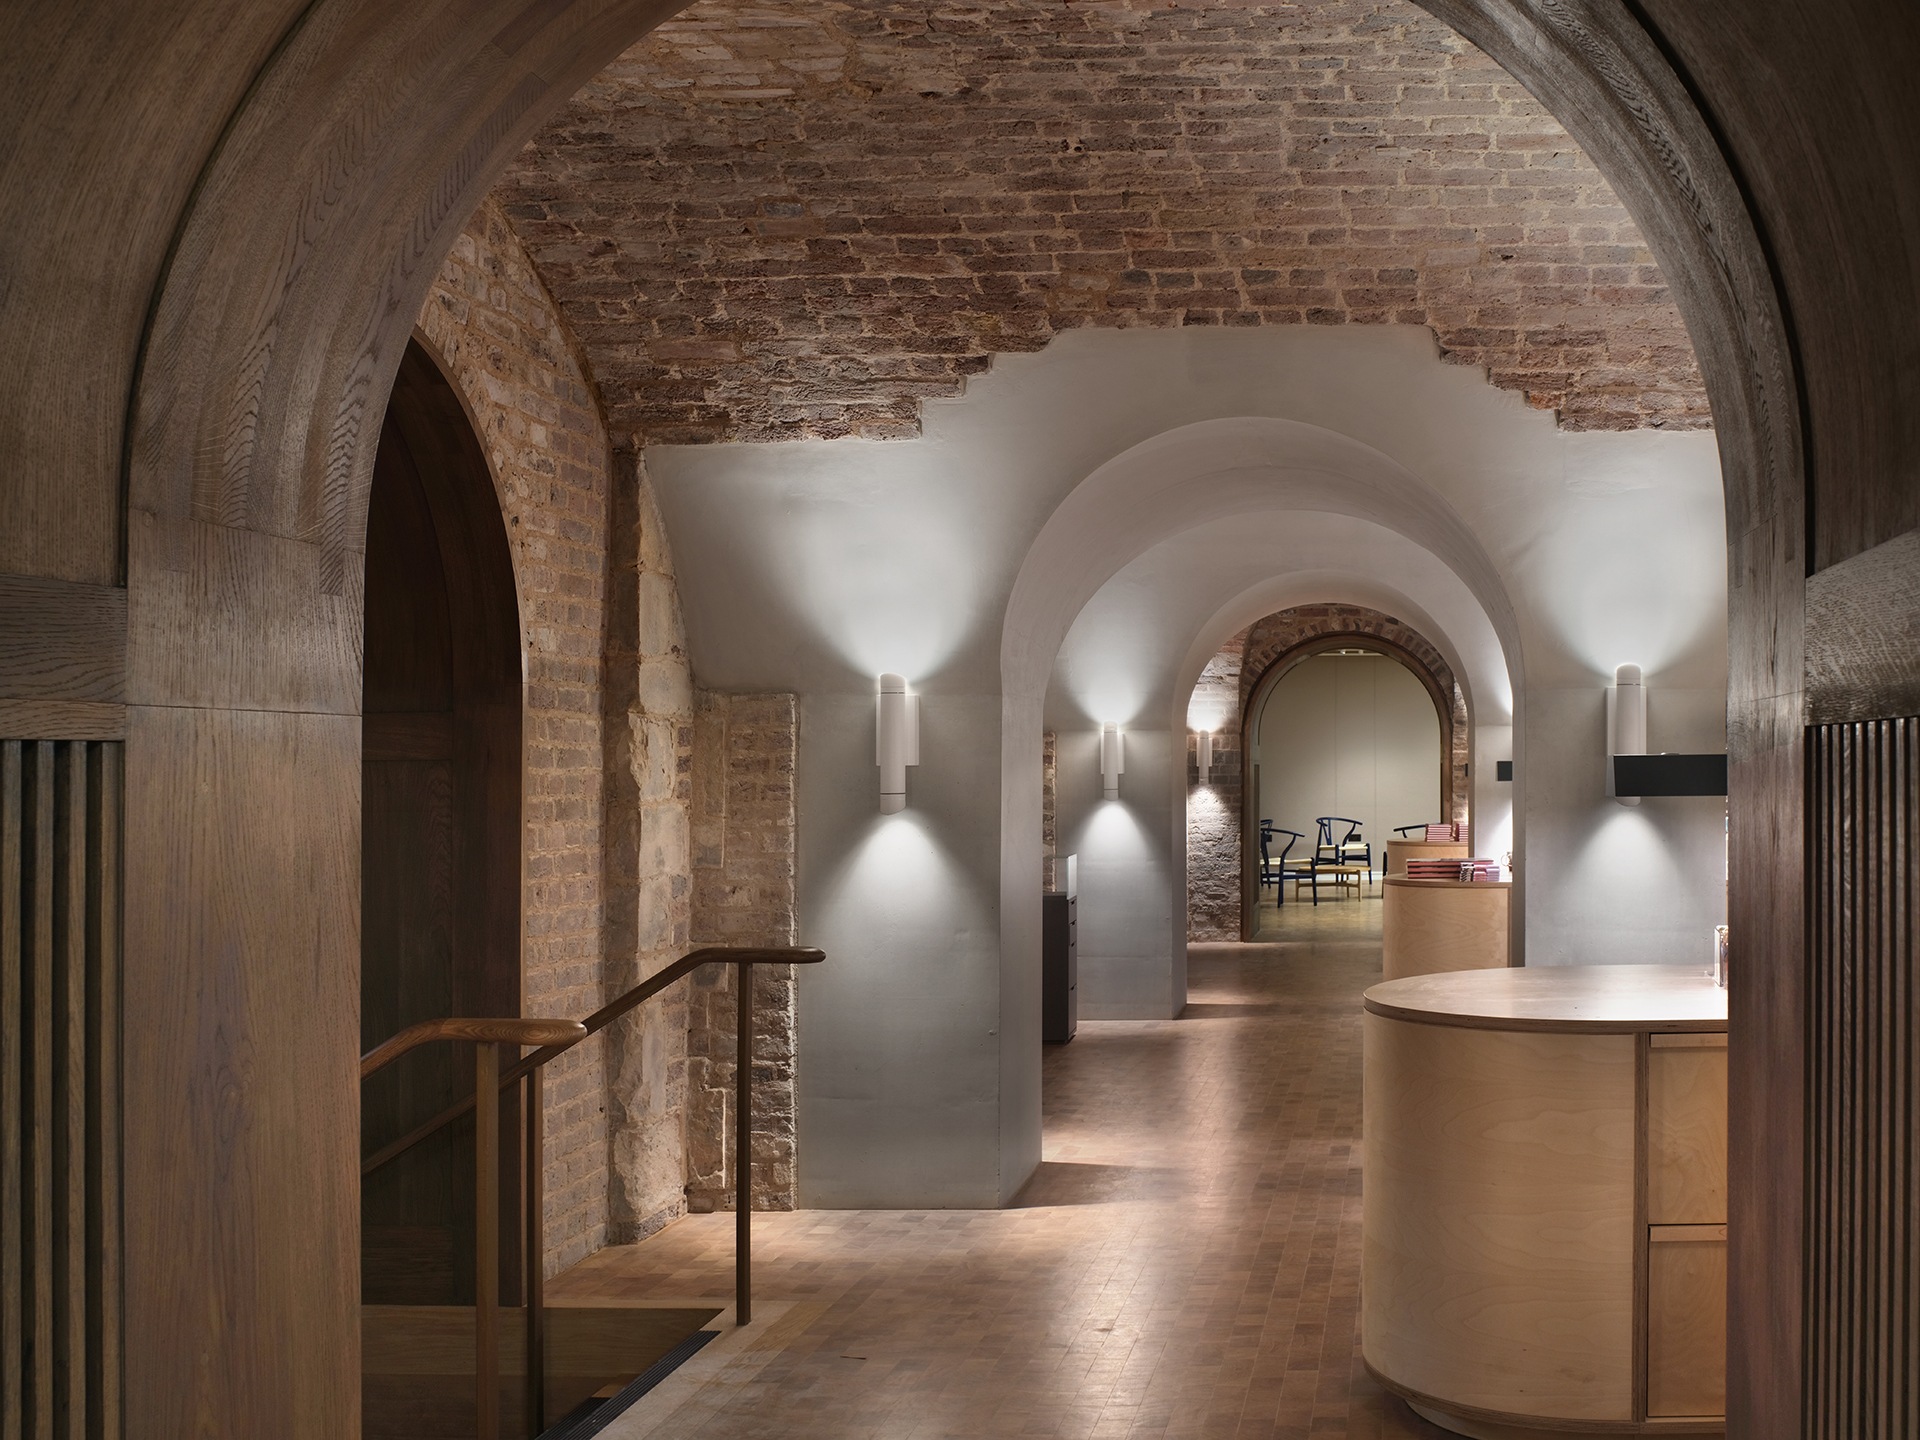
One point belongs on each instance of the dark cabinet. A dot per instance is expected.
(1059, 966)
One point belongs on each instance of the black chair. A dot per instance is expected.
(1350, 848)
(1404, 830)
(1278, 872)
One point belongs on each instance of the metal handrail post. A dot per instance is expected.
(743, 1149)
(486, 1240)
(534, 1291)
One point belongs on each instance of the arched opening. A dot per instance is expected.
(1350, 726)
(1276, 648)
(300, 470)
(441, 827)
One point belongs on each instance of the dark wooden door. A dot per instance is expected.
(441, 821)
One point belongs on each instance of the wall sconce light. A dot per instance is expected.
(1203, 755)
(896, 740)
(1626, 723)
(1112, 760)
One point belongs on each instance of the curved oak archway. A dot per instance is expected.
(246, 316)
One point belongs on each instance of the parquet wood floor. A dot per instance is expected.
(1185, 1263)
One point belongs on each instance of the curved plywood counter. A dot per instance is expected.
(1433, 926)
(1545, 1199)
(1400, 851)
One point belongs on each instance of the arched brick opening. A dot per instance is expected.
(1223, 878)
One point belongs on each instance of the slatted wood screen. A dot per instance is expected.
(59, 1090)
(1863, 1209)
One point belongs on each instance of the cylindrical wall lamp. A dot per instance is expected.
(896, 740)
(1626, 722)
(1112, 760)
(1203, 755)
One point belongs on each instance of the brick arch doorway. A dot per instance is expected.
(1276, 645)
(440, 841)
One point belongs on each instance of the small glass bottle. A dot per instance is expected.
(1720, 956)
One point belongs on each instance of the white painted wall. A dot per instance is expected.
(1349, 735)
(963, 560)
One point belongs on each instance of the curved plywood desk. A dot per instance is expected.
(1544, 1247)
(1399, 851)
(1429, 926)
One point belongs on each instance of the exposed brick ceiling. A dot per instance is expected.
(770, 220)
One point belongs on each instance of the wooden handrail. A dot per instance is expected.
(501, 1032)
(593, 1024)
(556, 1037)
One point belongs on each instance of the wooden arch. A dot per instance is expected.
(216, 304)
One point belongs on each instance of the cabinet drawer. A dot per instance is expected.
(1686, 1321)
(1687, 1130)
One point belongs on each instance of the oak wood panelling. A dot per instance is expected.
(1863, 635)
(61, 720)
(1863, 1231)
(219, 616)
(241, 1073)
(110, 111)
(60, 1324)
(1814, 106)
(62, 641)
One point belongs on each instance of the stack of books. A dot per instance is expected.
(1453, 868)
(1443, 830)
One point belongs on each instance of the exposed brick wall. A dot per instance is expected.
(766, 222)
(504, 344)
(1050, 876)
(743, 894)
(1215, 816)
(1214, 810)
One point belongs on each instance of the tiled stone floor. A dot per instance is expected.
(1185, 1263)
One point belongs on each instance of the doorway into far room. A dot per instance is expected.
(1343, 748)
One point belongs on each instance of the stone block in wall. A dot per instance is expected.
(742, 818)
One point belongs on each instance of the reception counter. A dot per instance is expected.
(1427, 926)
(1544, 1246)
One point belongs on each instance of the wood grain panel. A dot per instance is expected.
(1431, 927)
(1863, 1233)
(1863, 635)
(1499, 1218)
(60, 640)
(218, 616)
(61, 720)
(59, 954)
(240, 1076)
(1687, 1131)
(1686, 1321)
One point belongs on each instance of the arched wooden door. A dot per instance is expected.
(440, 828)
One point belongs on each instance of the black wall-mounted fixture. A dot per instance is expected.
(1670, 775)
(1503, 770)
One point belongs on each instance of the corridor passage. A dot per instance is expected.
(1185, 1263)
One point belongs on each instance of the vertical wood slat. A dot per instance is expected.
(59, 1103)
(103, 1091)
(1863, 1237)
(71, 809)
(12, 1094)
(40, 1346)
